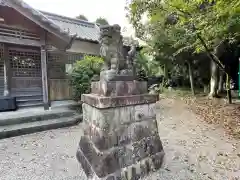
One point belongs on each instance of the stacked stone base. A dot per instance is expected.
(121, 139)
(132, 172)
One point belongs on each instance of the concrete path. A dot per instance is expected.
(194, 150)
(57, 106)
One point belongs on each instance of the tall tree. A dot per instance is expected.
(82, 17)
(102, 21)
(199, 25)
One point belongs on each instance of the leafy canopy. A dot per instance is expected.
(102, 21)
(179, 21)
(82, 17)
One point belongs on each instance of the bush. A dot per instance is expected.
(141, 75)
(82, 74)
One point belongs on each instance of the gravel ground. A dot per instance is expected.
(48, 155)
(194, 150)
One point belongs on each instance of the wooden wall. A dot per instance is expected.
(60, 89)
(59, 83)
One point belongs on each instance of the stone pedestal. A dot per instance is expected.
(121, 140)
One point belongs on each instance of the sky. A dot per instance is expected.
(112, 10)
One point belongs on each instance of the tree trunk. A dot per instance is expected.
(220, 83)
(166, 76)
(191, 77)
(228, 87)
(214, 80)
(215, 70)
(165, 72)
(206, 88)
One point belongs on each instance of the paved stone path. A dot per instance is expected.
(194, 150)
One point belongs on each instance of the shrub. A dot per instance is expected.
(83, 71)
(141, 74)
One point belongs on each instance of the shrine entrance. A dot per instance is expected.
(25, 42)
(26, 75)
(25, 70)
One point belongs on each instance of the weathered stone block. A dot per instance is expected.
(110, 119)
(126, 114)
(134, 171)
(100, 138)
(84, 163)
(146, 147)
(136, 131)
(122, 135)
(119, 88)
(152, 110)
(125, 157)
(118, 138)
(107, 162)
(103, 102)
(157, 160)
(102, 163)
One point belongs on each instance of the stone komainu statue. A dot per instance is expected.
(121, 139)
(111, 49)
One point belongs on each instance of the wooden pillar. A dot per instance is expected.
(45, 85)
(7, 72)
(45, 82)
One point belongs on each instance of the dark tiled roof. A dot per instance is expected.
(84, 30)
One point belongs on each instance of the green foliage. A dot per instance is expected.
(146, 66)
(173, 22)
(172, 28)
(141, 75)
(102, 21)
(82, 17)
(83, 71)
